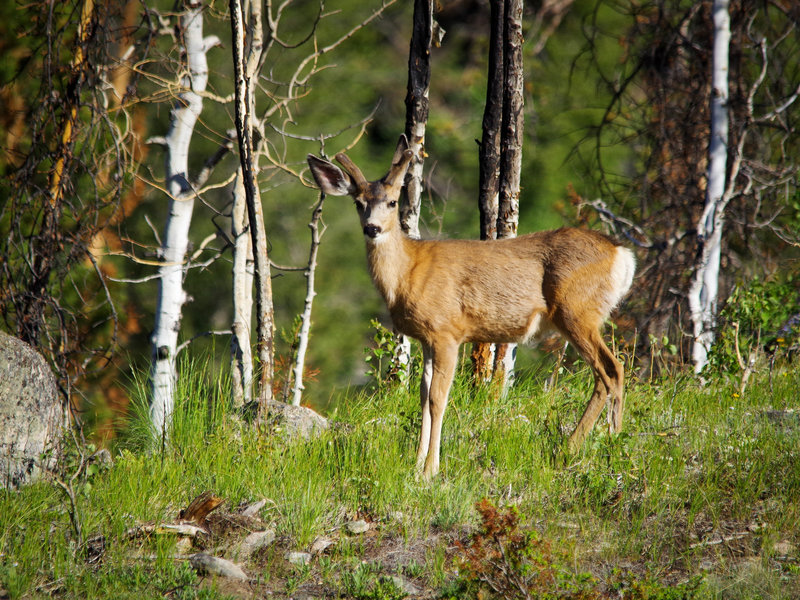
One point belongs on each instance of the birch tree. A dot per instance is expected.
(242, 285)
(246, 66)
(712, 204)
(704, 290)
(305, 320)
(171, 295)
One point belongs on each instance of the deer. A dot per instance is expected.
(444, 293)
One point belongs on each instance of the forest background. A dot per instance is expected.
(616, 109)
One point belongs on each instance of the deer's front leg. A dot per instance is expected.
(445, 356)
(424, 397)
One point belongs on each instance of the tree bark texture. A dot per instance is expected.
(489, 153)
(483, 354)
(417, 107)
(171, 297)
(513, 122)
(242, 271)
(501, 160)
(305, 322)
(245, 70)
(417, 93)
(510, 158)
(705, 285)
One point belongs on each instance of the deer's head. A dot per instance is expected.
(376, 201)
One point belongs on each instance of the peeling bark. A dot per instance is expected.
(705, 285)
(245, 71)
(242, 271)
(172, 296)
(510, 159)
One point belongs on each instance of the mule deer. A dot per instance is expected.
(444, 293)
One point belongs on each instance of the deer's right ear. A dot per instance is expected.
(330, 178)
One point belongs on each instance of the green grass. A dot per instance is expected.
(699, 497)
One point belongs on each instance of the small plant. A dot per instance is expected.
(380, 357)
(757, 315)
(364, 583)
(503, 561)
(663, 351)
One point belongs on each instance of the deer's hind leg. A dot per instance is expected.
(584, 334)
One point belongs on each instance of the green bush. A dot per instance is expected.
(756, 316)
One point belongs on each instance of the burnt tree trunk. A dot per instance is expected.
(501, 159)
(419, 78)
(489, 158)
(511, 157)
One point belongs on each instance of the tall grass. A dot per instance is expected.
(702, 483)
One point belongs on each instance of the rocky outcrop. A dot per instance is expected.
(32, 416)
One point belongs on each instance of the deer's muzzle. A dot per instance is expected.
(371, 230)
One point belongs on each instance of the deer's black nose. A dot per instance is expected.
(371, 230)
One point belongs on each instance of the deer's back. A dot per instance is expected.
(504, 290)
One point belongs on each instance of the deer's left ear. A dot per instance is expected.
(330, 178)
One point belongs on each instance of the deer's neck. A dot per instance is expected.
(390, 261)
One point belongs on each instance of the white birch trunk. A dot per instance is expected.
(305, 323)
(245, 74)
(241, 350)
(172, 296)
(704, 289)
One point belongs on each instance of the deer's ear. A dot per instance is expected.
(330, 178)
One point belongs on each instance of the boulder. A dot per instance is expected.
(33, 417)
(295, 420)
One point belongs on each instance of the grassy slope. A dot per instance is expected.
(703, 486)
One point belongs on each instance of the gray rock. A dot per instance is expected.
(298, 558)
(253, 509)
(321, 544)
(295, 420)
(205, 564)
(784, 548)
(356, 527)
(253, 542)
(404, 585)
(33, 418)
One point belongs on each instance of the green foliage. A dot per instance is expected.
(382, 366)
(694, 463)
(504, 560)
(379, 357)
(756, 315)
(626, 585)
(365, 582)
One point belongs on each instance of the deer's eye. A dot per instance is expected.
(392, 203)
